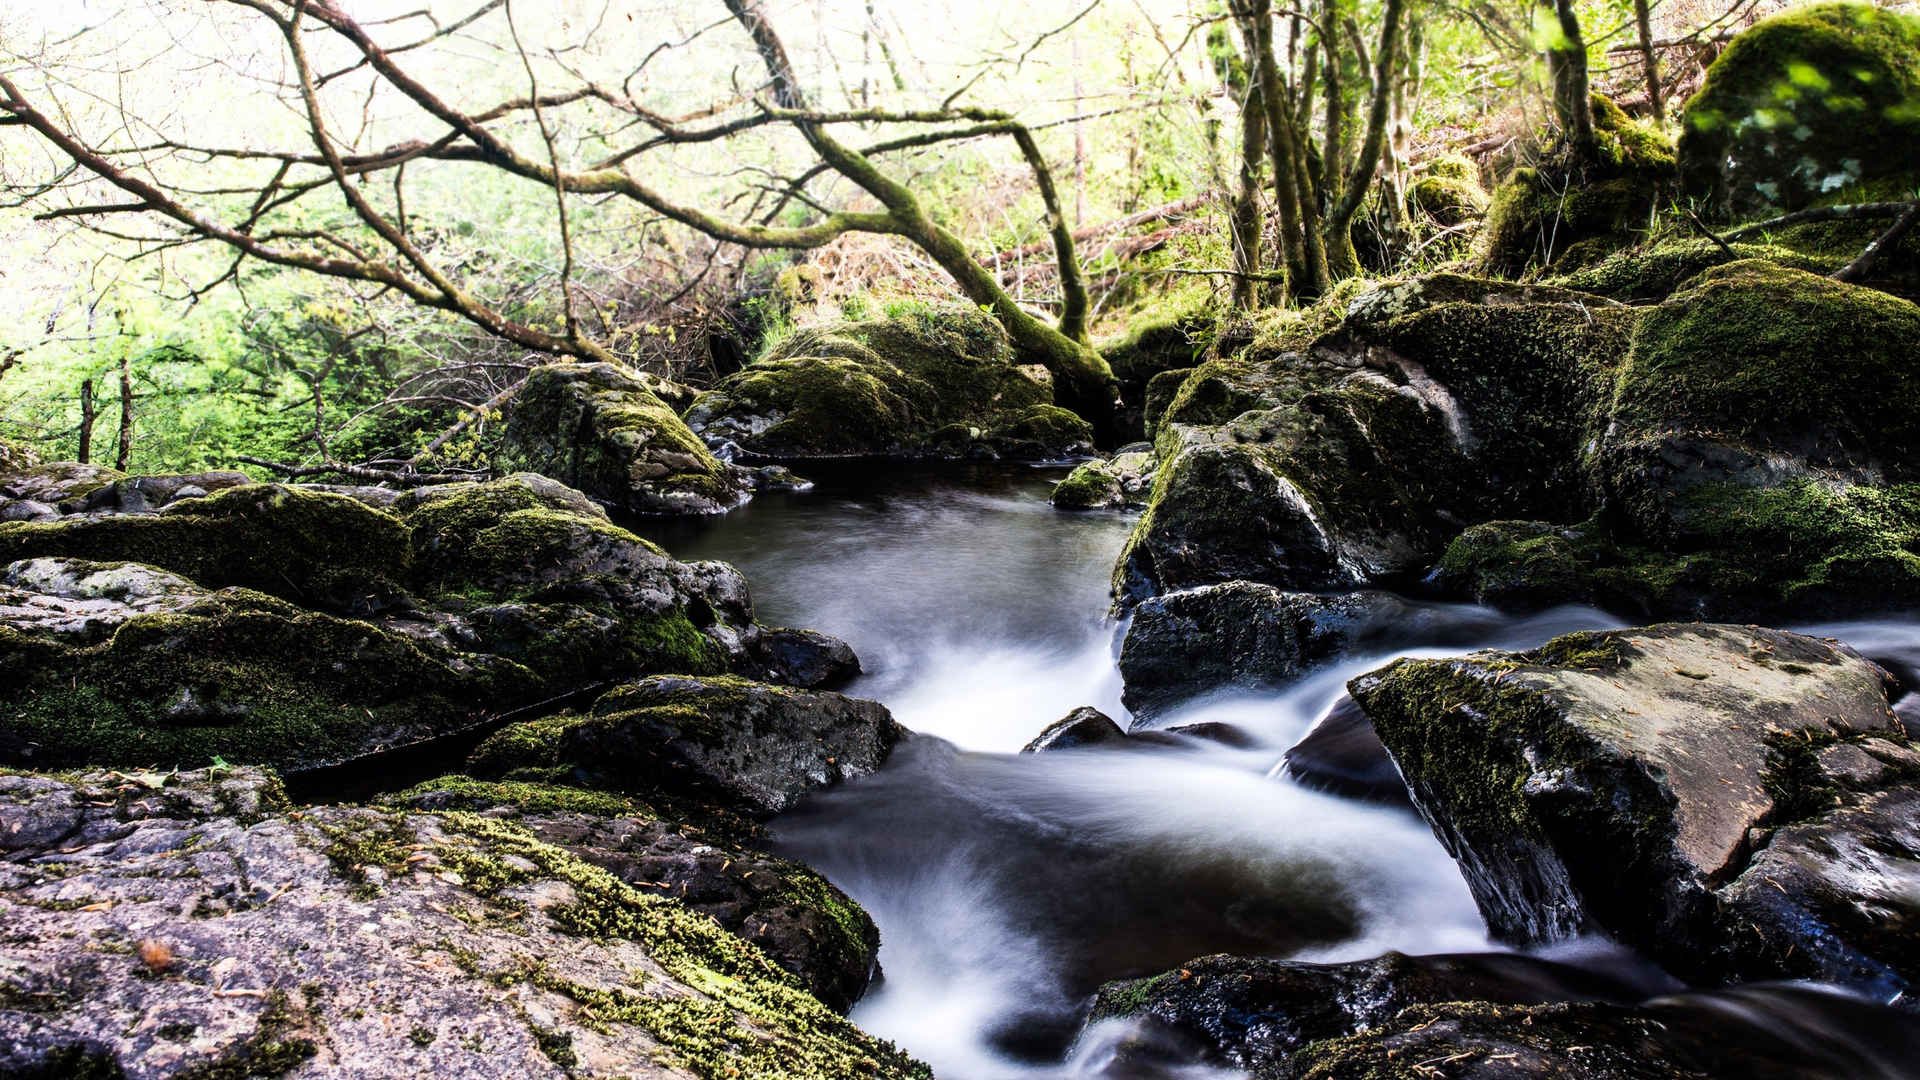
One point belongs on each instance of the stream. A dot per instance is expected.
(1008, 887)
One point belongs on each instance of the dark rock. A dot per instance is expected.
(1211, 731)
(600, 428)
(806, 658)
(1665, 785)
(1256, 1014)
(229, 935)
(1344, 755)
(1249, 635)
(750, 745)
(1083, 726)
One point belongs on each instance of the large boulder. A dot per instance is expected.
(936, 383)
(229, 935)
(601, 429)
(719, 868)
(1686, 788)
(746, 744)
(300, 628)
(1805, 103)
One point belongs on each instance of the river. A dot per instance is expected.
(1008, 886)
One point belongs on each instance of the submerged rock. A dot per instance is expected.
(938, 383)
(747, 744)
(601, 429)
(229, 935)
(1084, 726)
(1344, 755)
(1666, 785)
(1805, 103)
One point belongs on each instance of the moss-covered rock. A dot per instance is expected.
(600, 429)
(1120, 480)
(347, 939)
(1447, 191)
(941, 383)
(1804, 103)
(791, 913)
(15, 455)
(1570, 211)
(1168, 337)
(746, 744)
(1618, 781)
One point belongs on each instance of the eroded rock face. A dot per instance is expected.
(1344, 755)
(601, 429)
(301, 628)
(751, 745)
(933, 384)
(228, 935)
(1636, 781)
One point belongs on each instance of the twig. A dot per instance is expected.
(1708, 233)
(1863, 264)
(1849, 212)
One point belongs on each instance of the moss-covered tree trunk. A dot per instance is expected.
(1244, 222)
(1567, 63)
(1341, 258)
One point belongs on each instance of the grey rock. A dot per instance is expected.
(1083, 726)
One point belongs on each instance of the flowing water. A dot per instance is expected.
(1008, 886)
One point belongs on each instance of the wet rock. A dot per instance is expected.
(1083, 726)
(1638, 782)
(1257, 1014)
(939, 383)
(1248, 635)
(806, 658)
(1120, 480)
(599, 428)
(718, 868)
(1344, 755)
(750, 745)
(230, 935)
(1803, 104)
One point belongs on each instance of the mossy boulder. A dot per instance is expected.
(1171, 337)
(250, 938)
(1804, 103)
(1120, 480)
(1447, 191)
(1657, 271)
(1626, 782)
(742, 743)
(600, 429)
(280, 625)
(935, 383)
(795, 916)
(1571, 210)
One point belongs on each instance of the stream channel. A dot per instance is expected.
(1008, 886)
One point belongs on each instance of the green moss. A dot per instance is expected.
(1161, 390)
(1447, 200)
(1782, 359)
(277, 1046)
(1173, 333)
(467, 793)
(314, 548)
(1655, 271)
(1811, 99)
(245, 686)
(16, 456)
(1087, 487)
(792, 1033)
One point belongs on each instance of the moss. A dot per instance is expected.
(1799, 787)
(360, 844)
(1808, 100)
(16, 456)
(1540, 216)
(1087, 487)
(1161, 390)
(600, 429)
(1781, 359)
(1447, 200)
(242, 686)
(311, 547)
(1655, 271)
(466, 793)
(792, 1033)
(1172, 334)
(277, 1046)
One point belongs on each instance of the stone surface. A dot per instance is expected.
(1344, 755)
(601, 429)
(1083, 726)
(1638, 782)
(750, 745)
(194, 926)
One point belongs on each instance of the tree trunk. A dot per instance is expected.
(123, 455)
(1567, 61)
(1333, 159)
(1341, 257)
(1305, 257)
(1246, 201)
(88, 415)
(1656, 99)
